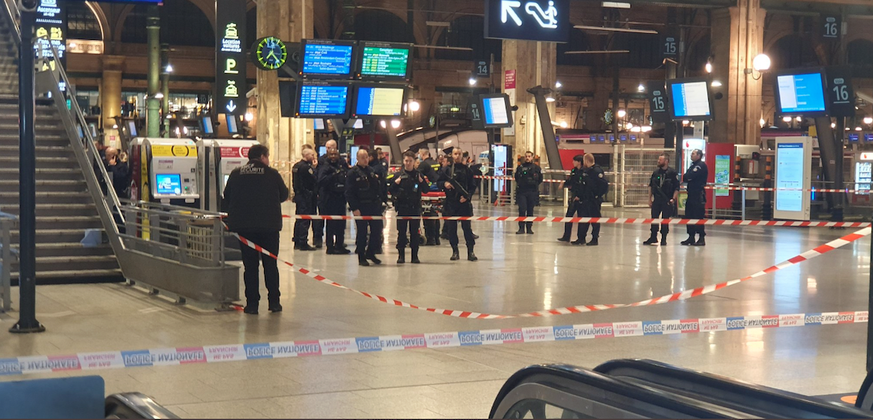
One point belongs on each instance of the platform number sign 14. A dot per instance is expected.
(482, 69)
(831, 27)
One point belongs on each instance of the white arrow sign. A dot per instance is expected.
(231, 107)
(508, 11)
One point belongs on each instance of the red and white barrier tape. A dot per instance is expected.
(708, 187)
(605, 220)
(688, 294)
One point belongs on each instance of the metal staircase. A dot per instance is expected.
(64, 209)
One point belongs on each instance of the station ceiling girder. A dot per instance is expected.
(850, 7)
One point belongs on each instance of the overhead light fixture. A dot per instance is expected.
(249, 117)
(859, 129)
(786, 119)
(708, 67)
(629, 126)
(472, 81)
(641, 88)
(760, 64)
(438, 24)
(550, 99)
(563, 124)
(868, 120)
(799, 119)
(599, 52)
(646, 128)
(383, 124)
(716, 83)
(763, 123)
(558, 85)
(607, 29)
(615, 5)
(414, 106)
(622, 113)
(395, 124)
(833, 125)
(169, 68)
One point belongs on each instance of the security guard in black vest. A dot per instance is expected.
(695, 206)
(406, 187)
(253, 199)
(364, 194)
(458, 182)
(574, 209)
(305, 196)
(594, 188)
(528, 177)
(332, 173)
(429, 167)
(663, 195)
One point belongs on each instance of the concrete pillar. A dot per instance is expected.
(110, 93)
(535, 64)
(737, 37)
(292, 21)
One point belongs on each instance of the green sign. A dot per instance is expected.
(722, 174)
(385, 62)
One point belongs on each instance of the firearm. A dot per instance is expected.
(457, 185)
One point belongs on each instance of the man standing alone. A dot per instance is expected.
(364, 194)
(253, 198)
(305, 196)
(663, 193)
(695, 206)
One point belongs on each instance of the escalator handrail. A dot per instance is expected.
(134, 405)
(749, 392)
(11, 9)
(595, 379)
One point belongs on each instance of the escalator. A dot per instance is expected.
(646, 389)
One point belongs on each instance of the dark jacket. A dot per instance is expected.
(429, 168)
(594, 183)
(364, 189)
(120, 174)
(574, 183)
(381, 173)
(331, 181)
(253, 198)
(664, 182)
(696, 178)
(528, 177)
(461, 178)
(304, 183)
(407, 194)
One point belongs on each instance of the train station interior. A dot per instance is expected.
(586, 147)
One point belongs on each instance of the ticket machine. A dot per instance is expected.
(164, 171)
(218, 158)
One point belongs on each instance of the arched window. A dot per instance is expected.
(578, 42)
(379, 25)
(793, 51)
(468, 32)
(82, 23)
(182, 23)
(645, 50)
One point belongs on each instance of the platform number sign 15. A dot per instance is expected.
(670, 46)
(831, 27)
(658, 103)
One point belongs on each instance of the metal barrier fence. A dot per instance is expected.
(7, 257)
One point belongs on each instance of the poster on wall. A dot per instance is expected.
(509, 79)
(722, 174)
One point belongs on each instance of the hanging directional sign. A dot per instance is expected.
(658, 103)
(230, 57)
(841, 93)
(50, 28)
(669, 46)
(531, 20)
(831, 27)
(481, 68)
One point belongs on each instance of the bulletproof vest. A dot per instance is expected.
(527, 176)
(338, 183)
(408, 194)
(366, 185)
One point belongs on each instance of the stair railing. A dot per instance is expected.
(14, 15)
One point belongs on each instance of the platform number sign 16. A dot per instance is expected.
(831, 26)
(841, 95)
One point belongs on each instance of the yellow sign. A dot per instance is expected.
(231, 32)
(57, 35)
(230, 67)
(231, 91)
(41, 32)
(174, 151)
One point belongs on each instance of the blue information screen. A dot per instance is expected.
(323, 100)
(495, 111)
(800, 93)
(169, 184)
(854, 137)
(327, 59)
(691, 100)
(379, 101)
(790, 167)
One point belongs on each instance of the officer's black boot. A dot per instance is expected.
(303, 246)
(317, 243)
(530, 228)
(455, 254)
(689, 241)
(362, 260)
(372, 257)
(520, 228)
(593, 242)
(653, 238)
(663, 239)
(701, 241)
(470, 255)
(415, 256)
(402, 257)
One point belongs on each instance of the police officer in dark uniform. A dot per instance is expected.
(695, 206)
(305, 196)
(574, 209)
(332, 200)
(594, 188)
(364, 194)
(458, 182)
(406, 187)
(253, 198)
(528, 177)
(663, 194)
(429, 167)
(381, 172)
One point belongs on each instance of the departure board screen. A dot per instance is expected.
(384, 62)
(495, 111)
(327, 59)
(801, 93)
(379, 101)
(323, 101)
(691, 100)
